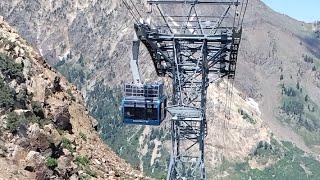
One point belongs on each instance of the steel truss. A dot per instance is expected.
(194, 50)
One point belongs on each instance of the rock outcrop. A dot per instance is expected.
(46, 132)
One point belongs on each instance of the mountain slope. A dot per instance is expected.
(279, 52)
(46, 131)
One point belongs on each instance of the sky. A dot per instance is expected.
(304, 10)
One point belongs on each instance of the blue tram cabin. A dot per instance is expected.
(144, 104)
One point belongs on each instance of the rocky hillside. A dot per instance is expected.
(279, 66)
(45, 131)
(89, 41)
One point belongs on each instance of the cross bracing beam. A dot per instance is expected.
(197, 27)
(189, 37)
(208, 2)
(200, 16)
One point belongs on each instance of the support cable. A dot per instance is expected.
(130, 11)
(220, 21)
(134, 6)
(165, 20)
(239, 15)
(245, 10)
(199, 22)
(187, 22)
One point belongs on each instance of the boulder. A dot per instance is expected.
(53, 133)
(94, 123)
(62, 119)
(66, 152)
(38, 138)
(3, 149)
(3, 153)
(23, 142)
(56, 85)
(64, 162)
(18, 154)
(43, 173)
(22, 130)
(34, 160)
(74, 177)
(65, 166)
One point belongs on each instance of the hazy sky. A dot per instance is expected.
(305, 10)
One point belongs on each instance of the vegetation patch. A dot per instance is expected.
(15, 121)
(71, 95)
(51, 163)
(83, 162)
(315, 62)
(6, 95)
(37, 109)
(291, 164)
(74, 72)
(301, 113)
(83, 136)
(67, 144)
(10, 69)
(308, 58)
(247, 117)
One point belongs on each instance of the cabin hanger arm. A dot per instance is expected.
(134, 61)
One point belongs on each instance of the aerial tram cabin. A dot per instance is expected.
(144, 104)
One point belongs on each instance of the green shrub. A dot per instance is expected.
(83, 136)
(69, 92)
(84, 177)
(10, 69)
(67, 144)
(289, 91)
(308, 59)
(37, 109)
(6, 95)
(281, 77)
(38, 120)
(21, 99)
(293, 106)
(90, 172)
(51, 163)
(82, 160)
(306, 98)
(14, 121)
(247, 117)
(242, 166)
(71, 95)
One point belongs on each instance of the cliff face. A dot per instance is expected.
(46, 131)
(89, 41)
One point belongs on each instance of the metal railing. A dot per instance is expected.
(152, 90)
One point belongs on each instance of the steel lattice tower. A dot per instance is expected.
(194, 50)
